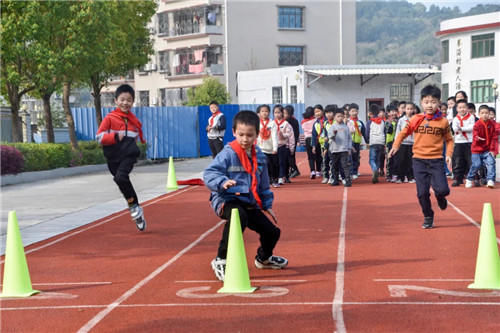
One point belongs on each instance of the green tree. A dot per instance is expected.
(210, 90)
(16, 33)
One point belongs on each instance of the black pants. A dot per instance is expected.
(430, 173)
(292, 163)
(355, 158)
(255, 220)
(326, 166)
(340, 164)
(283, 156)
(462, 160)
(310, 156)
(318, 159)
(121, 171)
(216, 145)
(390, 163)
(273, 167)
(405, 169)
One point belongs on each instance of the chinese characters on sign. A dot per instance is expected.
(458, 79)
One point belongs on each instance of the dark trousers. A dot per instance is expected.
(462, 160)
(326, 167)
(355, 158)
(121, 171)
(340, 164)
(430, 172)
(405, 169)
(310, 156)
(255, 220)
(216, 145)
(382, 161)
(292, 163)
(283, 155)
(273, 167)
(390, 163)
(318, 158)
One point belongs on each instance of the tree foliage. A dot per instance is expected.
(210, 90)
(398, 32)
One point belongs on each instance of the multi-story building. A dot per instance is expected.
(194, 39)
(470, 59)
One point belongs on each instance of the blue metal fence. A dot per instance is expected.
(170, 131)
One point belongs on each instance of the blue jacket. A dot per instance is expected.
(226, 165)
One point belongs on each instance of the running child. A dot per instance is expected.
(118, 134)
(237, 179)
(430, 130)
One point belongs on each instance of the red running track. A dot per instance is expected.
(359, 262)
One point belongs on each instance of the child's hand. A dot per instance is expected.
(208, 128)
(229, 183)
(448, 162)
(313, 150)
(273, 216)
(121, 136)
(353, 149)
(394, 151)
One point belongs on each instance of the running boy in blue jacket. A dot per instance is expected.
(238, 178)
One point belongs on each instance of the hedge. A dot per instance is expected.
(46, 156)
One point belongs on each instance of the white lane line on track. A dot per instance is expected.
(467, 217)
(221, 304)
(71, 234)
(338, 316)
(214, 281)
(423, 280)
(94, 321)
(68, 283)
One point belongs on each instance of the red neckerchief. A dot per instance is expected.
(331, 121)
(306, 119)
(419, 118)
(251, 169)
(485, 124)
(322, 125)
(211, 120)
(462, 123)
(131, 118)
(355, 120)
(279, 123)
(377, 120)
(264, 132)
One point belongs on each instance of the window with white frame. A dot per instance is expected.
(290, 17)
(445, 51)
(291, 55)
(483, 45)
(144, 98)
(163, 60)
(163, 24)
(277, 95)
(481, 91)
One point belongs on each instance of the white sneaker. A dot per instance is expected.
(354, 177)
(490, 184)
(343, 181)
(219, 267)
(469, 183)
(281, 181)
(318, 174)
(273, 262)
(324, 181)
(138, 216)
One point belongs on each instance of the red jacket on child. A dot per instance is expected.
(485, 137)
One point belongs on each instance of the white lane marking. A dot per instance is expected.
(423, 280)
(42, 295)
(221, 304)
(94, 321)
(262, 292)
(338, 316)
(467, 217)
(68, 283)
(100, 223)
(400, 291)
(215, 281)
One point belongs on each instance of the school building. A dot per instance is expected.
(470, 57)
(335, 84)
(194, 39)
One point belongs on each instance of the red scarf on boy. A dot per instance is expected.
(419, 118)
(131, 119)
(377, 120)
(250, 168)
(462, 123)
(211, 120)
(355, 121)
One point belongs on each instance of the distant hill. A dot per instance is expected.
(398, 32)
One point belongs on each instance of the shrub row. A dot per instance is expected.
(21, 157)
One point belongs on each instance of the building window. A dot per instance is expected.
(445, 92)
(162, 24)
(481, 91)
(290, 17)
(163, 60)
(445, 49)
(291, 55)
(163, 97)
(293, 94)
(400, 92)
(107, 99)
(277, 95)
(144, 98)
(483, 45)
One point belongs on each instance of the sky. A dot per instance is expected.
(464, 5)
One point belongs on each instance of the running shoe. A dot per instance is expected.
(273, 262)
(219, 267)
(490, 184)
(469, 183)
(428, 222)
(137, 215)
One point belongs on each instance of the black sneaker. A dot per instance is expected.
(483, 181)
(375, 177)
(287, 180)
(442, 203)
(294, 173)
(428, 223)
(477, 183)
(347, 183)
(273, 262)
(219, 267)
(335, 183)
(456, 183)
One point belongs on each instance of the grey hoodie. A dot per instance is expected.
(339, 138)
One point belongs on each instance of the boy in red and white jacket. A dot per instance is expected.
(484, 145)
(117, 134)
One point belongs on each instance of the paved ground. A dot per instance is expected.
(46, 208)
